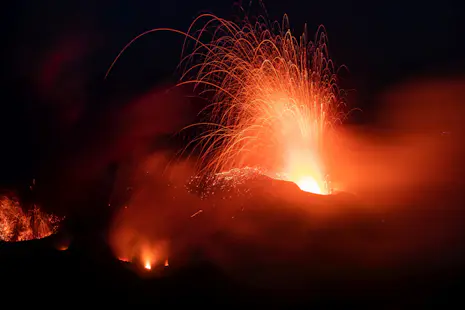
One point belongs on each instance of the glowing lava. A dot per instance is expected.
(305, 169)
(147, 256)
(17, 225)
(309, 184)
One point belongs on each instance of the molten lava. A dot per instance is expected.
(309, 184)
(148, 265)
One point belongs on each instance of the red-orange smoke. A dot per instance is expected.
(152, 225)
(415, 147)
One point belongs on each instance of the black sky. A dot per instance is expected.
(381, 42)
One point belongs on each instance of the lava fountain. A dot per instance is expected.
(17, 225)
(274, 98)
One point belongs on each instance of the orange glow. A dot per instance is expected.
(306, 171)
(274, 100)
(147, 255)
(134, 247)
(166, 263)
(309, 184)
(62, 243)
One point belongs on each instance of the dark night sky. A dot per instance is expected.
(381, 42)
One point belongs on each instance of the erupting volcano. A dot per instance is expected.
(221, 164)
